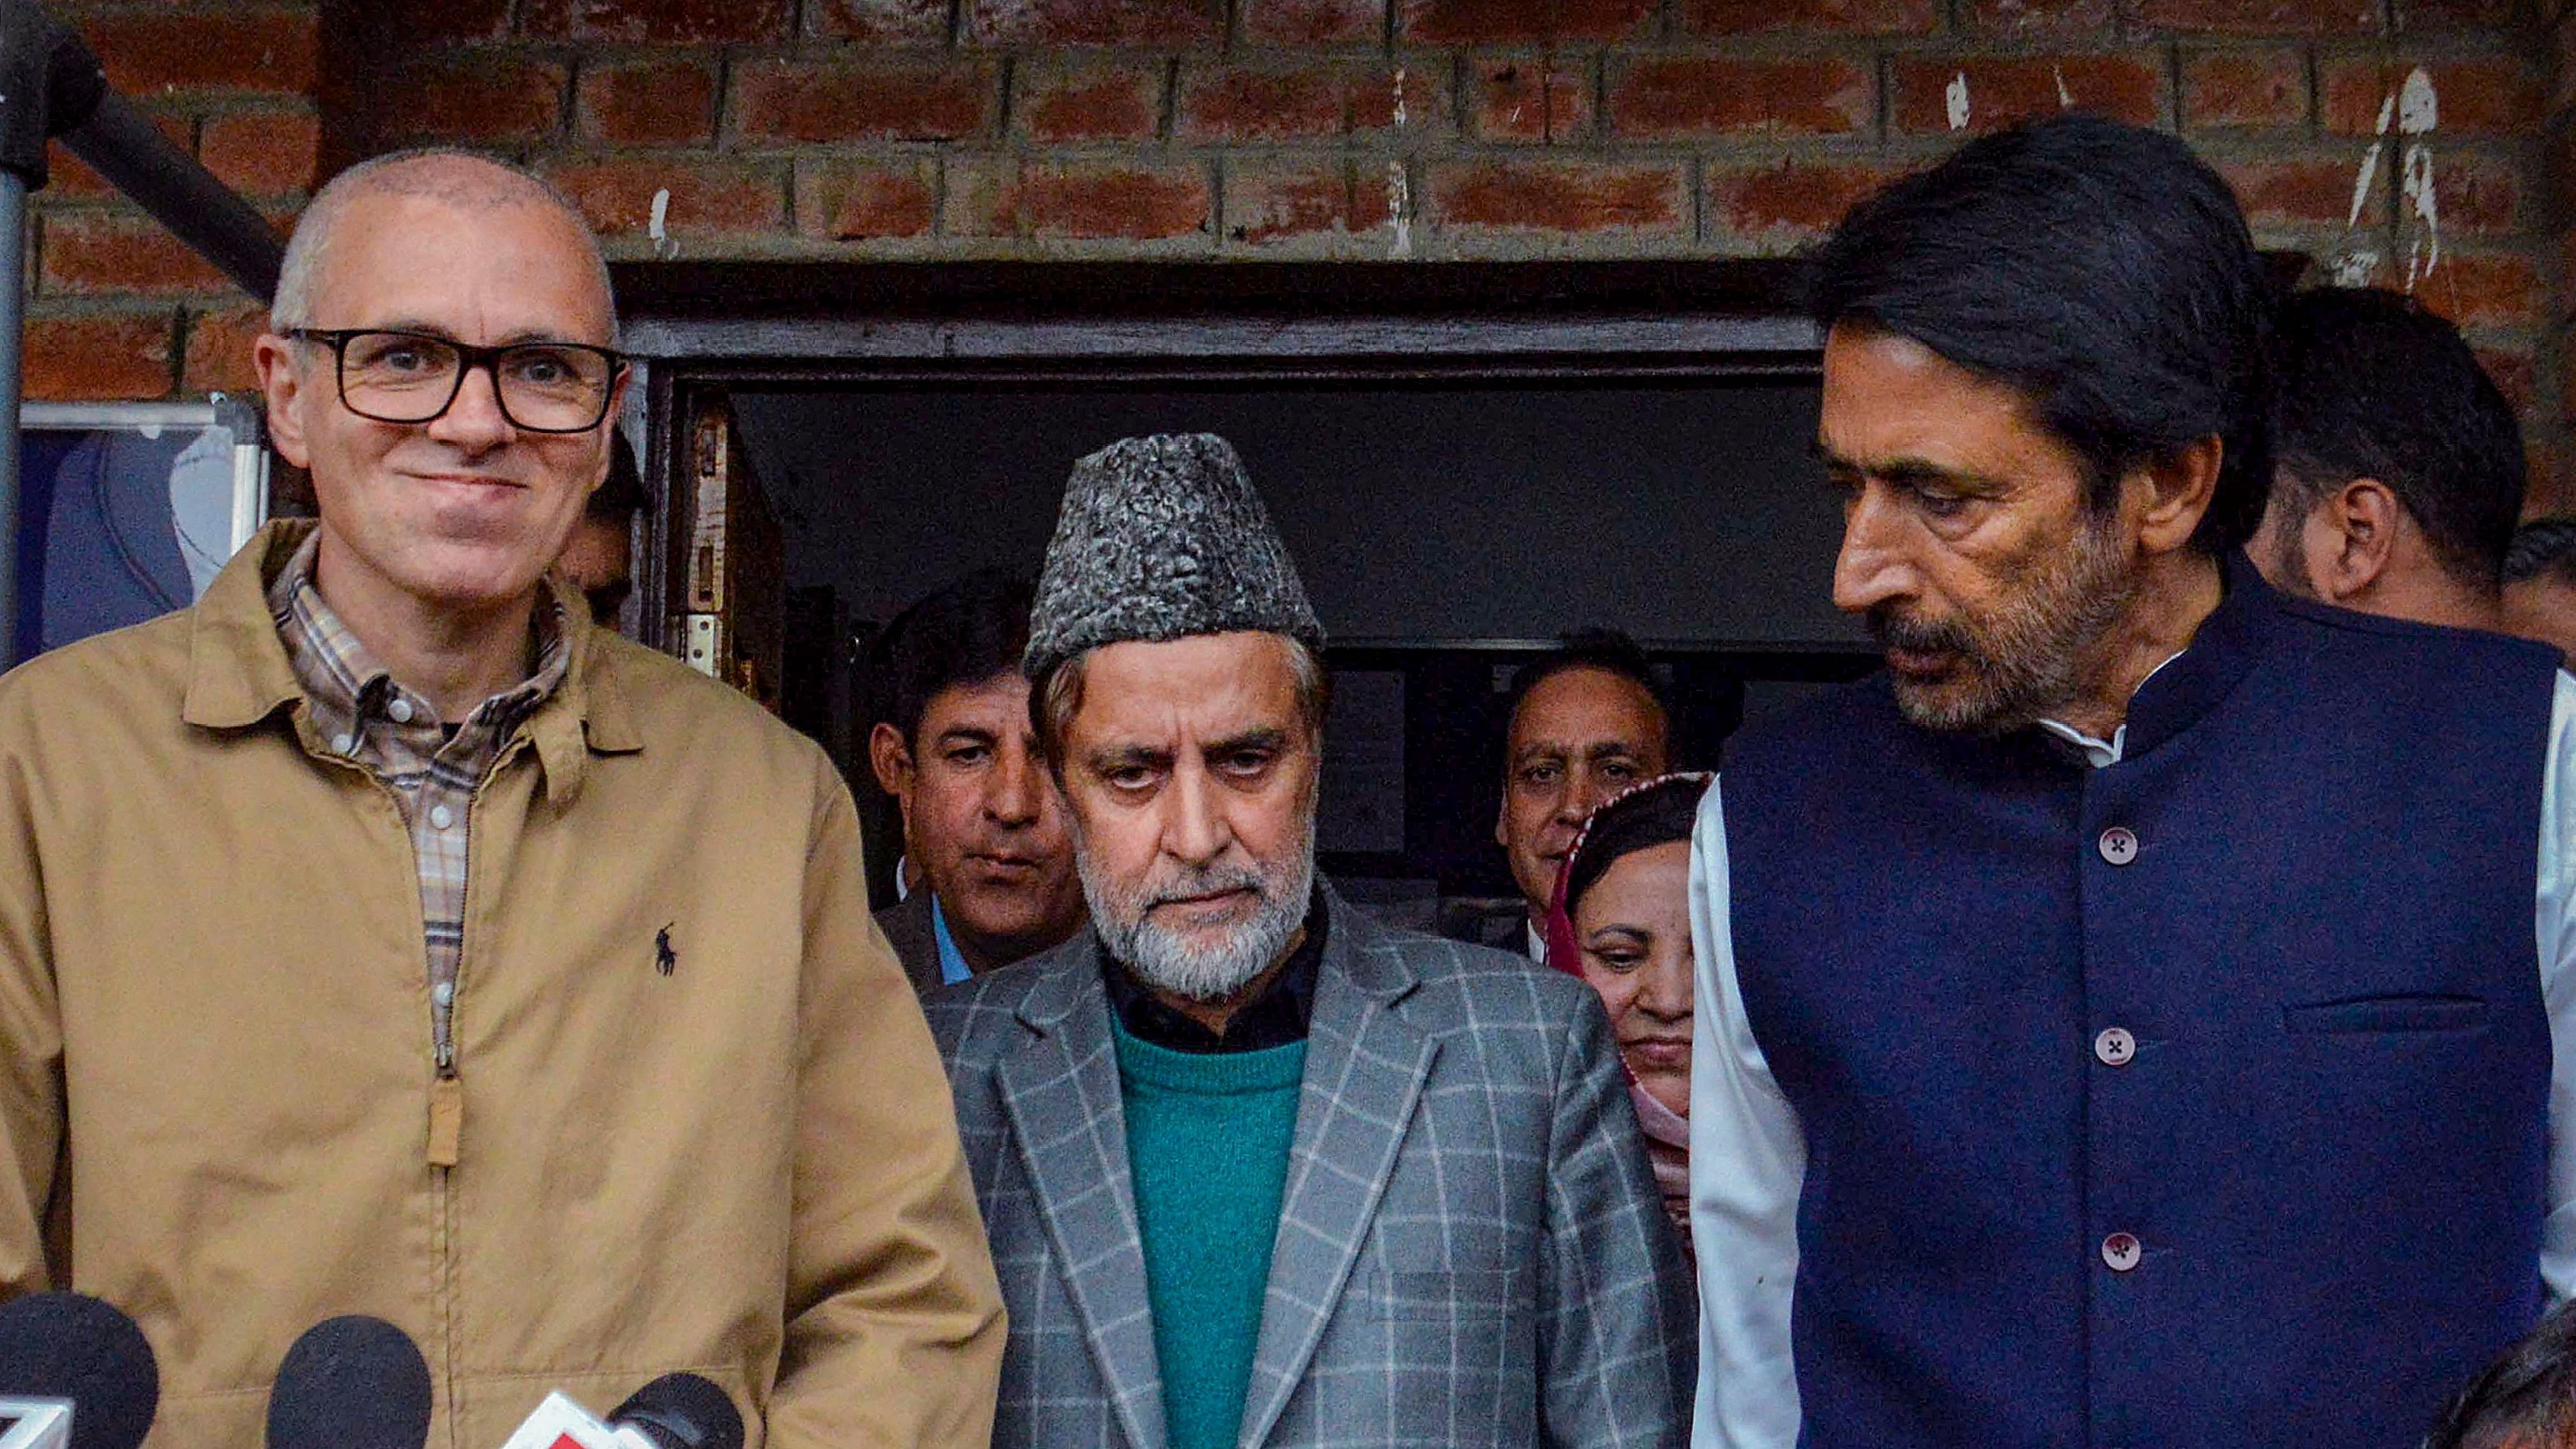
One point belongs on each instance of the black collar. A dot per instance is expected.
(2221, 653)
(1275, 1018)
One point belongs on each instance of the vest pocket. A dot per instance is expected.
(2386, 1014)
(1465, 1294)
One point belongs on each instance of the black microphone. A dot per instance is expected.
(69, 1346)
(351, 1383)
(682, 1411)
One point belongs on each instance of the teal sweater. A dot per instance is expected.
(1207, 1146)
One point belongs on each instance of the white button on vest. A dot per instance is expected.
(2119, 845)
(2114, 1047)
(399, 711)
(343, 744)
(444, 993)
(2121, 1251)
(440, 817)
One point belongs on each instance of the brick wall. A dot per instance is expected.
(1259, 129)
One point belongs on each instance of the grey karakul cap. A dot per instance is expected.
(1162, 538)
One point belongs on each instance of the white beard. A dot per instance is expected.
(1166, 961)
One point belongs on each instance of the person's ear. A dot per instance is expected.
(890, 760)
(2360, 522)
(2171, 494)
(282, 384)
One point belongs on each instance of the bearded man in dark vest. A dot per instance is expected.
(2122, 1022)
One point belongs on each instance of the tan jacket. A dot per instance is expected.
(218, 1108)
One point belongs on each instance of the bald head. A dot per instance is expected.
(461, 180)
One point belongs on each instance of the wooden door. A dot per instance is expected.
(733, 571)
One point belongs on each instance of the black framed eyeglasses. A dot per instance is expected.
(413, 377)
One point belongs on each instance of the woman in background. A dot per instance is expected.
(1621, 921)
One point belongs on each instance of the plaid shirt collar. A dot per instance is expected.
(360, 708)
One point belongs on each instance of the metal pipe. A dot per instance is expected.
(13, 263)
(126, 148)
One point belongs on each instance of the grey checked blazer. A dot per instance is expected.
(1471, 1251)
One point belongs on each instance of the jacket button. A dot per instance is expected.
(2114, 1047)
(2121, 1251)
(2119, 845)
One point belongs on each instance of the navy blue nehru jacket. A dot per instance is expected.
(2197, 1094)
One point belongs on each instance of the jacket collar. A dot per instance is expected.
(1365, 1070)
(239, 674)
(2222, 652)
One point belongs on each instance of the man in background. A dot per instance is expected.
(2398, 467)
(599, 558)
(1586, 720)
(987, 869)
(2540, 584)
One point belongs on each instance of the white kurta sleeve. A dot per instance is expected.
(2558, 989)
(1748, 1161)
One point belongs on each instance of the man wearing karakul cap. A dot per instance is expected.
(1257, 1170)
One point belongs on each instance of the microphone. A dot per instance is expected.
(74, 1374)
(351, 1383)
(675, 1411)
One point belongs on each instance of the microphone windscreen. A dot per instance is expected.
(72, 1346)
(682, 1411)
(351, 1383)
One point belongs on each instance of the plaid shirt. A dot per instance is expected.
(396, 735)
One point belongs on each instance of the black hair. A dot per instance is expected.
(1608, 650)
(2101, 270)
(2371, 385)
(1656, 813)
(621, 496)
(970, 632)
(2542, 547)
(2526, 1399)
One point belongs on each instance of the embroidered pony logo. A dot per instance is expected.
(666, 959)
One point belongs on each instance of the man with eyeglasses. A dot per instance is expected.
(378, 936)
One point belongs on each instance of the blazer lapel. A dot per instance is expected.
(1364, 1073)
(1061, 1091)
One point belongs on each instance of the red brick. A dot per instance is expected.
(1076, 200)
(98, 358)
(1778, 208)
(1564, 197)
(854, 201)
(1112, 102)
(1269, 103)
(2475, 195)
(445, 22)
(658, 22)
(261, 50)
(1519, 22)
(1277, 202)
(2495, 96)
(1243, 103)
(800, 100)
(2302, 193)
(1142, 23)
(2485, 290)
(1539, 98)
(1314, 22)
(648, 102)
(217, 357)
(262, 153)
(2002, 90)
(899, 22)
(67, 176)
(706, 195)
(468, 97)
(116, 251)
(2429, 16)
(1845, 17)
(2265, 17)
(2242, 88)
(1717, 96)
(2019, 18)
